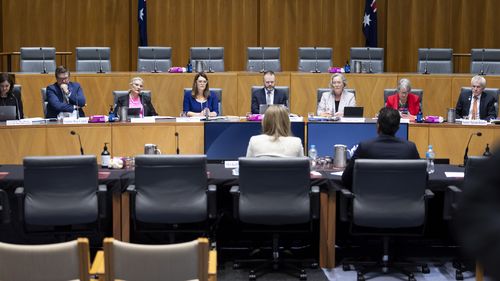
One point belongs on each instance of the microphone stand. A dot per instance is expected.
(100, 61)
(370, 68)
(466, 157)
(426, 61)
(482, 63)
(155, 67)
(79, 141)
(44, 67)
(316, 70)
(210, 70)
(177, 143)
(263, 62)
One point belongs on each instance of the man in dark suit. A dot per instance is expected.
(385, 146)
(476, 105)
(268, 94)
(64, 97)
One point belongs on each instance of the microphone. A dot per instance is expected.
(263, 62)
(44, 67)
(316, 70)
(370, 68)
(177, 142)
(482, 63)
(467, 147)
(100, 61)
(426, 61)
(79, 141)
(155, 67)
(210, 70)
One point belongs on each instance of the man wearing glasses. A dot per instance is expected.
(64, 98)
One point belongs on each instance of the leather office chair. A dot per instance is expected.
(275, 193)
(171, 193)
(60, 192)
(16, 91)
(263, 58)
(495, 92)
(388, 197)
(213, 58)
(418, 92)
(60, 261)
(320, 91)
(43, 92)
(150, 59)
(285, 89)
(93, 59)
(311, 59)
(218, 93)
(4, 207)
(38, 59)
(435, 60)
(182, 261)
(370, 58)
(485, 61)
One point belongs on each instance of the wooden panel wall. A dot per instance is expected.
(403, 25)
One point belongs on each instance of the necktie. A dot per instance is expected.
(268, 98)
(474, 108)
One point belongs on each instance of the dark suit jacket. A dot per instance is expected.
(381, 147)
(149, 109)
(486, 106)
(56, 103)
(259, 97)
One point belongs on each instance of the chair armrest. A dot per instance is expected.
(131, 189)
(212, 201)
(4, 207)
(102, 190)
(19, 193)
(451, 197)
(314, 198)
(212, 265)
(345, 199)
(97, 268)
(428, 194)
(235, 192)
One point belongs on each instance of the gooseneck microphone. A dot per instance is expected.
(482, 63)
(100, 61)
(467, 147)
(155, 65)
(210, 70)
(370, 68)
(177, 143)
(79, 141)
(426, 71)
(316, 70)
(44, 67)
(263, 62)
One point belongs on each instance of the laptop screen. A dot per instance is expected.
(7, 112)
(134, 112)
(353, 111)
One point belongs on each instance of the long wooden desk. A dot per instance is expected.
(441, 91)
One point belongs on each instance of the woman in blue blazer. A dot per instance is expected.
(200, 100)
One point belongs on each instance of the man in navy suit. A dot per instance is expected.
(476, 105)
(385, 146)
(64, 98)
(268, 94)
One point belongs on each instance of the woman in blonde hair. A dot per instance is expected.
(135, 99)
(276, 138)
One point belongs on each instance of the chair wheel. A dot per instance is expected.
(236, 265)
(346, 267)
(459, 276)
(252, 276)
(425, 269)
(314, 265)
(303, 275)
(360, 277)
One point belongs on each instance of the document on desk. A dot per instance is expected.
(339, 173)
(454, 174)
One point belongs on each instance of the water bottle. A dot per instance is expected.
(105, 156)
(430, 155)
(189, 67)
(420, 116)
(313, 154)
(347, 67)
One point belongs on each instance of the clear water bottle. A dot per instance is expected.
(313, 155)
(430, 155)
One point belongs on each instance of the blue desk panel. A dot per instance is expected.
(229, 140)
(327, 134)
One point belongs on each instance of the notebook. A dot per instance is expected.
(353, 111)
(7, 112)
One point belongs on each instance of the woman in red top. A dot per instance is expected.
(407, 103)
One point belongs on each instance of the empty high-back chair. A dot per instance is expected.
(38, 59)
(263, 59)
(212, 57)
(93, 59)
(435, 60)
(485, 61)
(372, 59)
(314, 59)
(154, 59)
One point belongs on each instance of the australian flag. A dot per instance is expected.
(370, 23)
(143, 23)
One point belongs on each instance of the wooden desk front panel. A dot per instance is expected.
(93, 136)
(19, 142)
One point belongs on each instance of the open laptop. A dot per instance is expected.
(7, 112)
(133, 112)
(353, 111)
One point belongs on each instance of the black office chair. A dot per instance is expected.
(275, 193)
(388, 198)
(4, 207)
(60, 194)
(171, 194)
